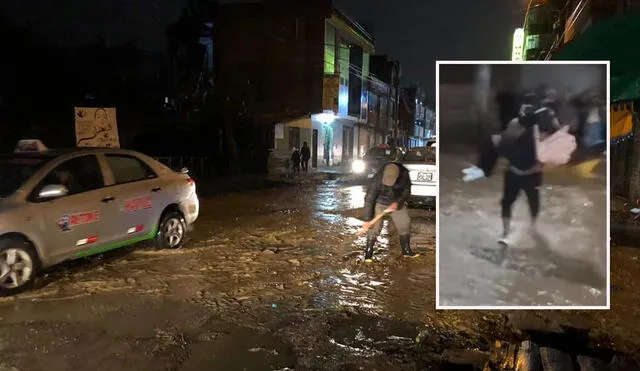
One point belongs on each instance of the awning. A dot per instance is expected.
(611, 40)
(621, 120)
(303, 123)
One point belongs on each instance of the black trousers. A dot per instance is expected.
(305, 165)
(513, 184)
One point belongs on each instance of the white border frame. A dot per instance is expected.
(608, 192)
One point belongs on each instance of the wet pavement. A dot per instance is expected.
(561, 263)
(272, 280)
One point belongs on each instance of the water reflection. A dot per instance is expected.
(355, 196)
(386, 287)
(352, 288)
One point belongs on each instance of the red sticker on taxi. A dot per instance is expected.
(72, 220)
(137, 203)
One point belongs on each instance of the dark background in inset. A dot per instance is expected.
(468, 106)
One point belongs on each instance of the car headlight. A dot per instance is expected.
(358, 166)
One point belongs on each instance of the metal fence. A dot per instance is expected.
(199, 167)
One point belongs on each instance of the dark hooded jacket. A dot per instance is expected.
(385, 195)
(520, 151)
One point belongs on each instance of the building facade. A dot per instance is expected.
(551, 24)
(417, 120)
(344, 124)
(383, 102)
(303, 69)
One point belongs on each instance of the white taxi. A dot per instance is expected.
(421, 163)
(58, 205)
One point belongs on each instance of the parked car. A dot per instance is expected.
(421, 163)
(373, 160)
(58, 205)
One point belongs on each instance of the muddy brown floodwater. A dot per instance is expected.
(272, 280)
(562, 263)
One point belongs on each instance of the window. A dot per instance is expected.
(79, 174)
(377, 153)
(15, 171)
(344, 60)
(533, 42)
(373, 102)
(294, 137)
(329, 49)
(128, 169)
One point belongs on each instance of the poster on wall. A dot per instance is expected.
(621, 120)
(279, 131)
(96, 127)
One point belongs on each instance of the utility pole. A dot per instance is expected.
(482, 95)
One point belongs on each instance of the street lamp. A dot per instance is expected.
(326, 117)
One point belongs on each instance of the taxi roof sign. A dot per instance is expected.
(30, 145)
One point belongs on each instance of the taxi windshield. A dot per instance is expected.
(380, 152)
(15, 171)
(420, 155)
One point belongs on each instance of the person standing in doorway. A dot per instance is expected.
(388, 192)
(305, 155)
(295, 161)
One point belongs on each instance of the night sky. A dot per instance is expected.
(419, 32)
(416, 32)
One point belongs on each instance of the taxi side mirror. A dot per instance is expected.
(53, 191)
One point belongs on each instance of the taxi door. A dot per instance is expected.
(137, 189)
(79, 221)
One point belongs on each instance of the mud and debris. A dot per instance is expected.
(255, 289)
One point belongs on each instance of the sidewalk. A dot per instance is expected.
(252, 182)
(342, 170)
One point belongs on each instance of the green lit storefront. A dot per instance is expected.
(614, 40)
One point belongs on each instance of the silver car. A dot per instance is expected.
(58, 205)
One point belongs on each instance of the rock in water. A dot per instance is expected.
(555, 360)
(509, 361)
(590, 364)
(502, 356)
(498, 352)
(528, 358)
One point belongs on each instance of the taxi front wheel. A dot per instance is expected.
(18, 265)
(171, 231)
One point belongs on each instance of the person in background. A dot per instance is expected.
(295, 161)
(389, 190)
(507, 106)
(546, 115)
(581, 104)
(305, 155)
(595, 130)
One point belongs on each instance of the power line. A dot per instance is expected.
(577, 13)
(371, 77)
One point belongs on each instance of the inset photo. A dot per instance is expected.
(523, 192)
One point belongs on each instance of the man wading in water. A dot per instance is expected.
(388, 192)
(517, 143)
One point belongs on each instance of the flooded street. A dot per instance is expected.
(562, 263)
(273, 280)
